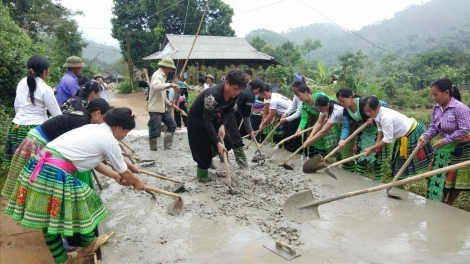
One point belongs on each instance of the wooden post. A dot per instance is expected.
(131, 72)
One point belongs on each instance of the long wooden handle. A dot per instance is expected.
(346, 160)
(392, 184)
(249, 135)
(96, 179)
(158, 176)
(128, 146)
(269, 135)
(240, 126)
(227, 169)
(153, 189)
(293, 136)
(354, 134)
(408, 161)
(293, 154)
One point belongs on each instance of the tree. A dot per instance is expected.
(39, 16)
(310, 45)
(353, 60)
(15, 49)
(288, 54)
(389, 87)
(258, 43)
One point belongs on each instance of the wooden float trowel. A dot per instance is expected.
(282, 249)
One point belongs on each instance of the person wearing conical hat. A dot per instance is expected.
(157, 105)
(68, 85)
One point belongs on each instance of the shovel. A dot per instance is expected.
(289, 167)
(175, 207)
(403, 168)
(261, 156)
(270, 134)
(227, 169)
(240, 126)
(302, 207)
(312, 166)
(327, 171)
(180, 189)
(286, 139)
(246, 136)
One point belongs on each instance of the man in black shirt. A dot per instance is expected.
(210, 116)
(245, 105)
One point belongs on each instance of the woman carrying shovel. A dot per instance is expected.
(309, 117)
(353, 118)
(450, 121)
(48, 197)
(391, 125)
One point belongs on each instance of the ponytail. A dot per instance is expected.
(90, 86)
(36, 66)
(324, 101)
(446, 85)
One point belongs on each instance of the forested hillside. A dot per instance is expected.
(432, 26)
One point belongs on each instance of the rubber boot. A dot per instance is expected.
(202, 175)
(168, 140)
(240, 158)
(153, 144)
(163, 128)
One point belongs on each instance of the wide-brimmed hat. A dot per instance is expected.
(181, 84)
(210, 76)
(97, 76)
(167, 62)
(73, 62)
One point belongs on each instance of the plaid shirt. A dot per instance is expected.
(453, 123)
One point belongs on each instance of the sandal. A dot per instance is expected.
(100, 241)
(73, 256)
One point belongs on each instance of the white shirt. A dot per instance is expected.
(88, 145)
(29, 114)
(336, 115)
(296, 104)
(278, 102)
(103, 93)
(393, 124)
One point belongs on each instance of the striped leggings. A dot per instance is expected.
(55, 245)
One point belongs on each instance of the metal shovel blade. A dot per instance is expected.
(292, 207)
(284, 250)
(311, 164)
(176, 207)
(392, 195)
(287, 166)
(329, 173)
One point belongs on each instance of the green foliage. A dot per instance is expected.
(270, 37)
(126, 88)
(258, 43)
(15, 49)
(355, 61)
(6, 114)
(310, 45)
(389, 88)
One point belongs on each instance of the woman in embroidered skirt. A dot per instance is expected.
(391, 125)
(38, 137)
(309, 117)
(48, 197)
(328, 122)
(33, 97)
(353, 118)
(450, 121)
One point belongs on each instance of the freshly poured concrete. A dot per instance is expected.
(216, 227)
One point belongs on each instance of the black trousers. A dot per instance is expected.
(295, 143)
(178, 115)
(239, 118)
(200, 143)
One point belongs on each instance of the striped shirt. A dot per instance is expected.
(453, 123)
(88, 145)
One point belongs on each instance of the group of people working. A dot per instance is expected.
(49, 185)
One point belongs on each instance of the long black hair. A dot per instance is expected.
(302, 89)
(121, 116)
(446, 85)
(323, 101)
(36, 66)
(98, 104)
(90, 86)
(346, 93)
(372, 101)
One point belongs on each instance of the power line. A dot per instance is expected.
(164, 9)
(352, 32)
(259, 8)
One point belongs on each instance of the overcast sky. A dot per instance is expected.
(278, 16)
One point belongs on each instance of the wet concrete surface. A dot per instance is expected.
(217, 227)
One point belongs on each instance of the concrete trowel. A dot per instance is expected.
(282, 249)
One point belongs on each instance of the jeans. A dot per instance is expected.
(155, 123)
